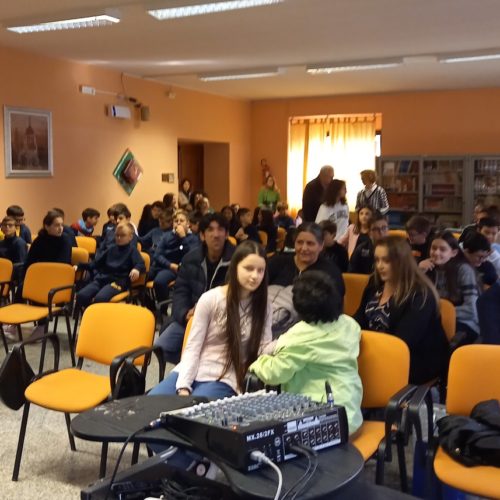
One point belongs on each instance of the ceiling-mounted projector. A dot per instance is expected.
(122, 112)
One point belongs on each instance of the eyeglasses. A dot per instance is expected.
(8, 224)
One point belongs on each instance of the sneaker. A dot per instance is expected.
(11, 332)
(37, 332)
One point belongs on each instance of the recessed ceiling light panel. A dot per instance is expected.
(67, 24)
(241, 75)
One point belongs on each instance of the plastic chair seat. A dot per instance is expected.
(368, 437)
(480, 480)
(16, 314)
(119, 297)
(57, 391)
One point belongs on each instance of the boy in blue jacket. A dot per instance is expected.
(170, 251)
(114, 269)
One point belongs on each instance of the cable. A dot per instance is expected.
(314, 455)
(298, 450)
(258, 456)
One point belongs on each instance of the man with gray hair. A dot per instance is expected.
(313, 193)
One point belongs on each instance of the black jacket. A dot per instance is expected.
(191, 281)
(363, 258)
(418, 323)
(312, 199)
(13, 249)
(48, 248)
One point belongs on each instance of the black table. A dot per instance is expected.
(116, 420)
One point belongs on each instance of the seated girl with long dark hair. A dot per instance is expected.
(402, 301)
(231, 325)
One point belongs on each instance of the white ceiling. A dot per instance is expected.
(287, 35)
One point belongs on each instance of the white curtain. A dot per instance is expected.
(345, 142)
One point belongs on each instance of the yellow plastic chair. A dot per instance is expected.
(456, 235)
(6, 269)
(355, 285)
(474, 376)
(448, 318)
(384, 367)
(232, 240)
(79, 256)
(137, 287)
(398, 232)
(87, 242)
(263, 236)
(109, 334)
(186, 333)
(280, 240)
(49, 288)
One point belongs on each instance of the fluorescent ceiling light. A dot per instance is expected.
(321, 69)
(257, 73)
(67, 24)
(208, 8)
(469, 58)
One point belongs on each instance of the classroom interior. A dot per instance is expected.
(237, 125)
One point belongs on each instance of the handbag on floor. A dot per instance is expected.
(15, 376)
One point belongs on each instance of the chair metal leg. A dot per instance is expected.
(56, 319)
(135, 453)
(4, 340)
(76, 316)
(380, 465)
(44, 346)
(403, 476)
(70, 340)
(70, 435)
(104, 459)
(20, 443)
(20, 332)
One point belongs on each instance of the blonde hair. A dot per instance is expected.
(407, 276)
(370, 175)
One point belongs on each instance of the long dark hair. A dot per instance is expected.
(357, 224)
(332, 193)
(257, 312)
(451, 267)
(49, 218)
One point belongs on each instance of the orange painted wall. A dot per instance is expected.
(87, 144)
(440, 122)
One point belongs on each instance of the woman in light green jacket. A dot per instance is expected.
(324, 346)
(269, 195)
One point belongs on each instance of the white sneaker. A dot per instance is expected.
(11, 332)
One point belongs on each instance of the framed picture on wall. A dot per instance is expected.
(128, 171)
(28, 142)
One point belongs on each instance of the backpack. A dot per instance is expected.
(473, 440)
(15, 376)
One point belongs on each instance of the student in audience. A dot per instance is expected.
(194, 222)
(121, 214)
(169, 201)
(201, 269)
(359, 231)
(480, 212)
(111, 222)
(172, 248)
(266, 224)
(334, 207)
(269, 195)
(149, 217)
(12, 247)
(488, 227)
(283, 219)
(401, 300)
(114, 270)
(22, 230)
(477, 249)
(420, 233)
(362, 259)
(67, 229)
(323, 346)
(333, 250)
(247, 230)
(151, 240)
(86, 225)
(372, 195)
(231, 325)
(455, 280)
(228, 214)
(203, 206)
(184, 192)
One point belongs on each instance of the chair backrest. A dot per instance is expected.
(355, 285)
(6, 268)
(280, 240)
(456, 234)
(79, 256)
(263, 238)
(232, 240)
(90, 244)
(110, 329)
(141, 281)
(186, 333)
(448, 318)
(41, 277)
(473, 376)
(398, 232)
(384, 367)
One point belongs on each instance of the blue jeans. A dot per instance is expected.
(212, 390)
(170, 340)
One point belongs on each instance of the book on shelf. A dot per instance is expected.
(388, 168)
(404, 166)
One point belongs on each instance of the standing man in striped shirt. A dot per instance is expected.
(373, 195)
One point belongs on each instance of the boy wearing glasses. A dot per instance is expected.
(12, 247)
(22, 230)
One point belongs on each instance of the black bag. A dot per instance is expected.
(15, 376)
(130, 382)
(473, 440)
